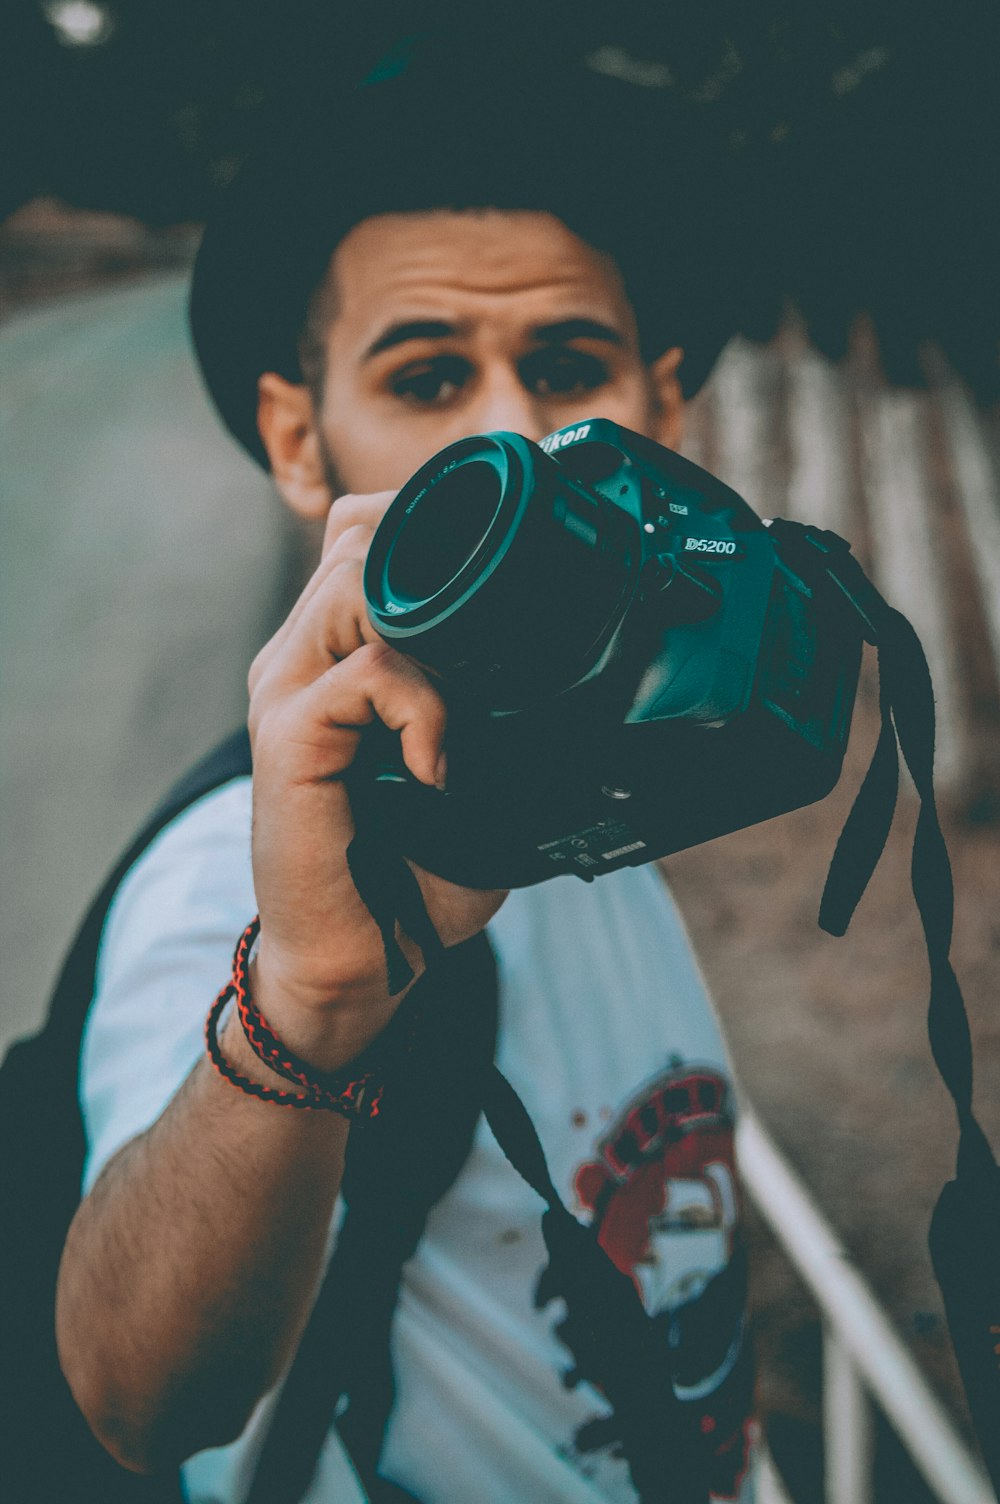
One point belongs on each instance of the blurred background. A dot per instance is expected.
(144, 559)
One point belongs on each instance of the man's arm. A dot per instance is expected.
(189, 1269)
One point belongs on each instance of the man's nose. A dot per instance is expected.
(506, 404)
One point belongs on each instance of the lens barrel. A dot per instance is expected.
(500, 572)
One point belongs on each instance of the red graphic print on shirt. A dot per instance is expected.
(664, 1197)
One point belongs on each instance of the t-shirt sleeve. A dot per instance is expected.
(165, 952)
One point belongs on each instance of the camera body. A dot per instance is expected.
(629, 665)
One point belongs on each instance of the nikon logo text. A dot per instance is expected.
(567, 436)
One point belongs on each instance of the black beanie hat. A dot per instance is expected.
(433, 128)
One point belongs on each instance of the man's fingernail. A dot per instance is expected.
(441, 772)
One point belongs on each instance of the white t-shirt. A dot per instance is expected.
(606, 1032)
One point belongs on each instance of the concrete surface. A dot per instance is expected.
(143, 560)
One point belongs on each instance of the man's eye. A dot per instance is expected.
(562, 373)
(430, 382)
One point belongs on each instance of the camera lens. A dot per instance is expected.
(499, 570)
(444, 534)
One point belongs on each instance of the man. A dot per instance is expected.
(426, 313)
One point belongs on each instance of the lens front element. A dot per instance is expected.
(500, 571)
(443, 532)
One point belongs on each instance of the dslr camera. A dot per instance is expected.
(630, 665)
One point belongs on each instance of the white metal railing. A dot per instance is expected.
(769, 1487)
(863, 1358)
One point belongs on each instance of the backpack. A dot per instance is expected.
(50, 1455)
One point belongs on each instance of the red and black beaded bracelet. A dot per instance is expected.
(352, 1092)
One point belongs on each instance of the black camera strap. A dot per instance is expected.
(389, 890)
(609, 1324)
(615, 1344)
(965, 1228)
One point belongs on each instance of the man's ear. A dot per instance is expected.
(287, 423)
(668, 398)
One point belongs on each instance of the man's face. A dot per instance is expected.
(446, 324)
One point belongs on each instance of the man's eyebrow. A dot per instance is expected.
(568, 329)
(547, 334)
(399, 334)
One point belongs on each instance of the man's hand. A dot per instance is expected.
(323, 678)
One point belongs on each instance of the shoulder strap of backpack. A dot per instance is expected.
(49, 1452)
(398, 1167)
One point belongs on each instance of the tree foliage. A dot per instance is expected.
(867, 129)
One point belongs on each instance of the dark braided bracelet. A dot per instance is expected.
(228, 1073)
(352, 1093)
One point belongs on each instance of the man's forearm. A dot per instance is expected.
(190, 1269)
